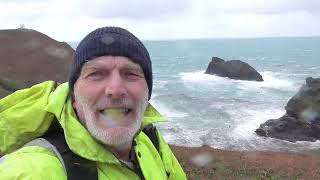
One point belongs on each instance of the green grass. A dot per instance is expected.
(243, 173)
(225, 172)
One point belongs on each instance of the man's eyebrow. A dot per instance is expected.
(90, 64)
(133, 67)
(99, 65)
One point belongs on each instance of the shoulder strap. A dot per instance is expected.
(150, 131)
(77, 167)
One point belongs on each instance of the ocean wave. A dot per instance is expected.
(238, 135)
(199, 76)
(158, 84)
(167, 112)
(272, 80)
(153, 95)
(220, 139)
(248, 120)
(247, 115)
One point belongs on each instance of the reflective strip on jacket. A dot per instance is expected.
(27, 114)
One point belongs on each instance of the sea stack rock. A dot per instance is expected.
(28, 57)
(234, 69)
(301, 122)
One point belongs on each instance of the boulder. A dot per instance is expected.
(301, 121)
(234, 69)
(28, 57)
(306, 102)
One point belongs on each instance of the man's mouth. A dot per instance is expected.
(116, 113)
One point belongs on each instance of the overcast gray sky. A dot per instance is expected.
(71, 20)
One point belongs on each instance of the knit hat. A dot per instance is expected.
(112, 41)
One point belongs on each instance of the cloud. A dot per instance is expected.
(28, 12)
(73, 19)
(12, 11)
(261, 6)
(135, 9)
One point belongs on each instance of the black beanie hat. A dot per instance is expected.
(111, 41)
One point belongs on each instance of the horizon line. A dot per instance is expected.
(226, 38)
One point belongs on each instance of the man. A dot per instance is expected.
(102, 110)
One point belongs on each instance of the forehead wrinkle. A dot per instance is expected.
(103, 63)
(95, 63)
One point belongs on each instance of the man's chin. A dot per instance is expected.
(114, 132)
(116, 137)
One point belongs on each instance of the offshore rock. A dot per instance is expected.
(302, 119)
(28, 57)
(234, 69)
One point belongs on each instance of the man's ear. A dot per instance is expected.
(74, 103)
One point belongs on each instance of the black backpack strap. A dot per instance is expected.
(150, 131)
(77, 167)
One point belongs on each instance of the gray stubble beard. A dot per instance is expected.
(119, 140)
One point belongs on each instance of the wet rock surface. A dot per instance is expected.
(234, 69)
(302, 119)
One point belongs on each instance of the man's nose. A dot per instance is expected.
(115, 86)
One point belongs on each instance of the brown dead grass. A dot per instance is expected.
(248, 165)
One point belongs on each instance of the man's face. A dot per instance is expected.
(110, 97)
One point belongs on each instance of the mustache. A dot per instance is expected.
(114, 102)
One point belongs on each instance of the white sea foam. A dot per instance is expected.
(167, 112)
(153, 95)
(271, 80)
(248, 120)
(222, 139)
(183, 136)
(240, 135)
(199, 76)
(313, 145)
(159, 83)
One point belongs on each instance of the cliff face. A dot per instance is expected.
(28, 57)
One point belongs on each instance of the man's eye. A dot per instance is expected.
(95, 75)
(132, 75)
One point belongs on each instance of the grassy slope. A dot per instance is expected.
(248, 165)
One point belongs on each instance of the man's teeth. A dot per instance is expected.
(115, 113)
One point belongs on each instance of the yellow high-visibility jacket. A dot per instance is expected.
(27, 114)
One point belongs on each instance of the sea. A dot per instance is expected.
(222, 113)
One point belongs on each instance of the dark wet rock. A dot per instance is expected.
(307, 99)
(28, 57)
(234, 69)
(289, 128)
(302, 119)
